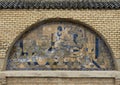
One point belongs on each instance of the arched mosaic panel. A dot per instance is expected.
(60, 46)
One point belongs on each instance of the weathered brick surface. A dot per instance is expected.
(117, 82)
(1, 63)
(13, 22)
(59, 81)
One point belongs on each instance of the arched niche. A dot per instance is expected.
(60, 44)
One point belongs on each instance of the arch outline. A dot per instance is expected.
(50, 20)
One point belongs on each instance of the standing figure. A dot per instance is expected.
(59, 33)
(75, 38)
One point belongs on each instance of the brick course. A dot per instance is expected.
(14, 22)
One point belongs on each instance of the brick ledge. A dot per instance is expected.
(94, 74)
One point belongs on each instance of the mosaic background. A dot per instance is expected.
(60, 46)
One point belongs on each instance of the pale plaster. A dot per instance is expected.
(94, 74)
(118, 64)
(1, 63)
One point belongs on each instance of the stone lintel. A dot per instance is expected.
(94, 74)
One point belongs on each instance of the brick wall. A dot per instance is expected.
(13, 22)
(60, 81)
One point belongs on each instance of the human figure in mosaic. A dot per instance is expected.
(60, 46)
(59, 32)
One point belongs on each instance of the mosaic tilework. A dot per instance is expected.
(60, 46)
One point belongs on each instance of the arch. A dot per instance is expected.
(61, 20)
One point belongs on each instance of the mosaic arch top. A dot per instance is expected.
(60, 46)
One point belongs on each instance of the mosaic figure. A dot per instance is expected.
(60, 46)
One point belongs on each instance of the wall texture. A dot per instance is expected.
(59, 81)
(13, 22)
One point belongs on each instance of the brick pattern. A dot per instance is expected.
(2, 79)
(13, 22)
(59, 81)
(1, 63)
(117, 82)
